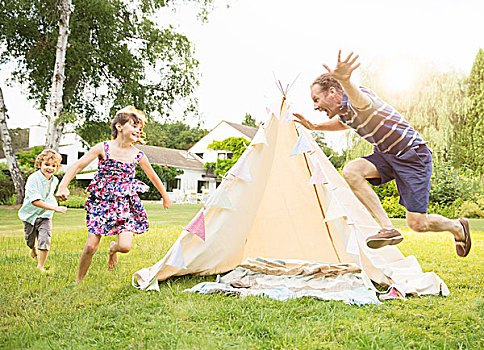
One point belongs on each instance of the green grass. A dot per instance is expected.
(48, 311)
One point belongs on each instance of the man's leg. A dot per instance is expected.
(422, 222)
(355, 173)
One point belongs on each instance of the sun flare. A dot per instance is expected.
(399, 76)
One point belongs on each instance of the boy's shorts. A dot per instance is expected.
(42, 230)
(411, 170)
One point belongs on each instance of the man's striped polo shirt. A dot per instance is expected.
(380, 124)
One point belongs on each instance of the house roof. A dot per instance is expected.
(248, 131)
(172, 157)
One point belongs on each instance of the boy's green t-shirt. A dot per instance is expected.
(38, 187)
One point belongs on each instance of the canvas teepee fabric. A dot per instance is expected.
(283, 199)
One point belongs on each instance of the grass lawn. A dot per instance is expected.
(48, 311)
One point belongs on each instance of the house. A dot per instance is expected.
(195, 178)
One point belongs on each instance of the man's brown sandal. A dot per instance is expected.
(383, 238)
(463, 247)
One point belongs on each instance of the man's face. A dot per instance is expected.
(326, 101)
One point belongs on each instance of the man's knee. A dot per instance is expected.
(418, 224)
(352, 173)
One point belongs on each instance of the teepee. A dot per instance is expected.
(283, 199)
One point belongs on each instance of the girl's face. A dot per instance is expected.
(130, 130)
(48, 168)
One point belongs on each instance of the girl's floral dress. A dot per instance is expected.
(113, 205)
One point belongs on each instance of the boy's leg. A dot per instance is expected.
(42, 258)
(44, 229)
(30, 234)
(125, 240)
(85, 260)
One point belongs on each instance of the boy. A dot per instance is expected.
(39, 205)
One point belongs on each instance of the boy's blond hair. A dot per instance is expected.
(48, 154)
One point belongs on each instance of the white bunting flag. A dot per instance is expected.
(221, 200)
(287, 117)
(260, 137)
(335, 211)
(240, 169)
(318, 176)
(352, 245)
(302, 145)
(176, 257)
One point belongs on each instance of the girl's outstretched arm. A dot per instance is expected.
(146, 166)
(62, 191)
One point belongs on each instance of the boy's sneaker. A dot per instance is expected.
(383, 238)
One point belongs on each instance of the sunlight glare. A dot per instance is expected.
(399, 77)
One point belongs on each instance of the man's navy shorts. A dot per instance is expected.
(411, 170)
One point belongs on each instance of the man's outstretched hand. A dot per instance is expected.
(303, 121)
(343, 69)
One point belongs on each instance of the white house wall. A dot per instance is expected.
(221, 132)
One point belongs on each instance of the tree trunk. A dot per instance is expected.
(13, 167)
(55, 125)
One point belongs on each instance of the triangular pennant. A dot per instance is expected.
(176, 257)
(352, 245)
(221, 200)
(302, 145)
(197, 225)
(240, 169)
(260, 137)
(275, 108)
(318, 176)
(287, 117)
(335, 210)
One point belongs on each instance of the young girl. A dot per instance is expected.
(113, 206)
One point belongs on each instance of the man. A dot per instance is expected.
(399, 153)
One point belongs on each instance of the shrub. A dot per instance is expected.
(74, 201)
(7, 190)
(470, 209)
(393, 208)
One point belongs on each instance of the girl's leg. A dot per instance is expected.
(85, 260)
(125, 239)
(42, 258)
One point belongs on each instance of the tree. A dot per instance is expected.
(469, 134)
(13, 167)
(56, 124)
(236, 145)
(249, 121)
(117, 56)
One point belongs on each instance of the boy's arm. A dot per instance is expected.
(41, 204)
(62, 191)
(342, 73)
(333, 124)
(147, 168)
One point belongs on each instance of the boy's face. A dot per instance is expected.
(48, 168)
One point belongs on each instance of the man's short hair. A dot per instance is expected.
(326, 81)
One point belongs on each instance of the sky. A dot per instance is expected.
(244, 46)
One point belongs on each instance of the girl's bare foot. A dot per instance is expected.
(113, 257)
(33, 253)
(41, 268)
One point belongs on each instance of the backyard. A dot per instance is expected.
(48, 310)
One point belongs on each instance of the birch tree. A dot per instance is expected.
(13, 167)
(55, 123)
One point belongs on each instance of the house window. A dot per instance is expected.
(222, 155)
(64, 159)
(229, 155)
(201, 186)
(80, 154)
(173, 184)
(199, 155)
